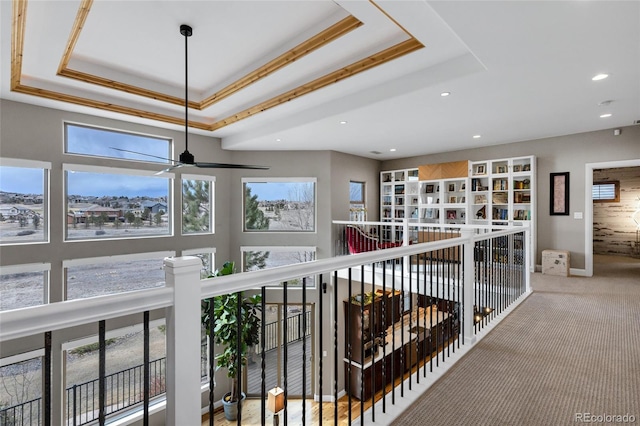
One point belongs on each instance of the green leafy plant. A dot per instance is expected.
(225, 328)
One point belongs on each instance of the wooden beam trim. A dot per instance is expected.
(112, 84)
(319, 40)
(19, 10)
(379, 58)
(78, 24)
(63, 97)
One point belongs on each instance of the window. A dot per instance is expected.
(113, 274)
(22, 286)
(606, 192)
(124, 371)
(21, 389)
(24, 191)
(96, 142)
(107, 202)
(254, 258)
(279, 205)
(357, 206)
(197, 200)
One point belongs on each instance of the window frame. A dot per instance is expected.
(46, 189)
(280, 249)
(616, 185)
(293, 180)
(44, 267)
(169, 140)
(68, 168)
(212, 193)
(107, 259)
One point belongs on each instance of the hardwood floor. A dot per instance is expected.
(251, 410)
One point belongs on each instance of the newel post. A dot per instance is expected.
(183, 341)
(468, 283)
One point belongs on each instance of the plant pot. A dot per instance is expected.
(231, 408)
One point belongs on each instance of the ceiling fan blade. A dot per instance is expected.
(229, 166)
(169, 169)
(142, 153)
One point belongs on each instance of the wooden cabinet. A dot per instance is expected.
(368, 321)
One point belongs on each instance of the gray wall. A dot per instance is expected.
(558, 154)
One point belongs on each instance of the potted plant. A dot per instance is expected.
(225, 333)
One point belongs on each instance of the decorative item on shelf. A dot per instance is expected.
(452, 214)
(275, 403)
(526, 168)
(517, 168)
(482, 213)
(480, 170)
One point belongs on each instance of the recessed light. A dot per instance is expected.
(443, 94)
(392, 150)
(278, 140)
(600, 77)
(343, 122)
(605, 115)
(477, 136)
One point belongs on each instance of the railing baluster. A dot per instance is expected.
(147, 375)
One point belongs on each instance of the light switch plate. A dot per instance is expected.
(577, 215)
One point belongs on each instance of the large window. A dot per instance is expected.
(197, 204)
(114, 274)
(92, 141)
(22, 286)
(24, 187)
(279, 205)
(116, 203)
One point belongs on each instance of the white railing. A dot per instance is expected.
(473, 284)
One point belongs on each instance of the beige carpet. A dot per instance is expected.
(572, 347)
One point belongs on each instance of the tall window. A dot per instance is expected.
(96, 142)
(22, 286)
(24, 188)
(116, 203)
(197, 204)
(280, 205)
(113, 274)
(357, 207)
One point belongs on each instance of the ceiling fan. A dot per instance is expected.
(187, 158)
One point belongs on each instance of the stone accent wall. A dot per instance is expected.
(614, 231)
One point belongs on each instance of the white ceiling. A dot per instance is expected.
(516, 70)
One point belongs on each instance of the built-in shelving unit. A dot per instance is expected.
(399, 195)
(444, 201)
(491, 192)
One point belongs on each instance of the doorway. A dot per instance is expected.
(590, 167)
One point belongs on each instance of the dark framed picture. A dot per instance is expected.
(559, 190)
(429, 189)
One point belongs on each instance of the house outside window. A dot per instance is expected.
(357, 206)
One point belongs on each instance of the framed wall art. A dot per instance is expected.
(559, 190)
